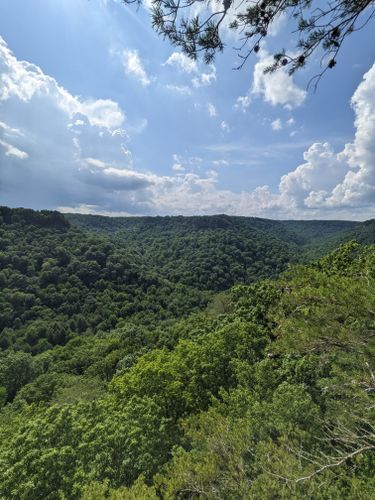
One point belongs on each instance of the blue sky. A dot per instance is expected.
(99, 115)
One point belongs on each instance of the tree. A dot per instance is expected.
(318, 25)
(16, 370)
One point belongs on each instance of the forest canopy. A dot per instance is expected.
(119, 382)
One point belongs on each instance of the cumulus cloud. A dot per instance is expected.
(242, 103)
(101, 112)
(322, 167)
(188, 66)
(182, 62)
(276, 124)
(23, 81)
(329, 180)
(133, 66)
(209, 7)
(328, 184)
(277, 88)
(278, 24)
(75, 155)
(359, 183)
(54, 132)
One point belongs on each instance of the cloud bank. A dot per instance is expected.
(60, 150)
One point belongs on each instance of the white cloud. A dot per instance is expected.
(242, 103)
(10, 131)
(330, 182)
(133, 66)
(52, 132)
(277, 88)
(24, 81)
(177, 164)
(188, 66)
(219, 163)
(182, 163)
(182, 62)
(84, 208)
(322, 167)
(13, 151)
(177, 167)
(278, 25)
(276, 124)
(78, 157)
(107, 176)
(211, 109)
(224, 126)
(358, 186)
(102, 112)
(179, 89)
(205, 79)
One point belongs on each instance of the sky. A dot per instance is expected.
(99, 114)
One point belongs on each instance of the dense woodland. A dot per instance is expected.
(204, 357)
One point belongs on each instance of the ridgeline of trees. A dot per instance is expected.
(208, 253)
(217, 252)
(266, 393)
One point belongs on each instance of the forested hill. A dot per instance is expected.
(117, 383)
(216, 252)
(62, 276)
(208, 253)
(300, 232)
(57, 282)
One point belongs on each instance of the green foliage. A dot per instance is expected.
(55, 452)
(16, 370)
(267, 393)
(138, 491)
(208, 253)
(185, 380)
(58, 282)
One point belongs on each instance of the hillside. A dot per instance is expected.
(209, 253)
(118, 383)
(310, 231)
(299, 232)
(216, 252)
(363, 232)
(58, 281)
